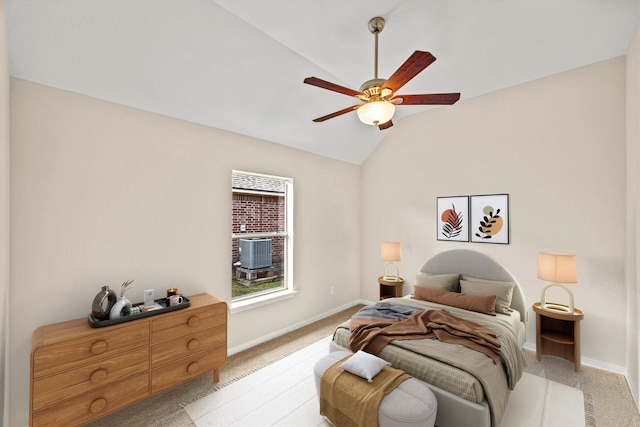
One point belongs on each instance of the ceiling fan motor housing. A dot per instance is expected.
(372, 89)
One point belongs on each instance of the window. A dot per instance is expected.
(261, 238)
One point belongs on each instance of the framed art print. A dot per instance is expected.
(490, 218)
(453, 218)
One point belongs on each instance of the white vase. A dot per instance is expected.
(120, 309)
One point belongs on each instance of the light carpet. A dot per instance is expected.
(284, 394)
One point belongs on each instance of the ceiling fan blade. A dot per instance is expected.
(314, 81)
(385, 125)
(417, 62)
(336, 114)
(427, 99)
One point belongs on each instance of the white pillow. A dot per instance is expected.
(364, 365)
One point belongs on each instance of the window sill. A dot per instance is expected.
(248, 304)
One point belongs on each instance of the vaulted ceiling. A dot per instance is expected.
(239, 65)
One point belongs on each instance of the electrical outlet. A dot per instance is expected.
(332, 290)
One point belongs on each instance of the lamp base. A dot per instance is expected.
(389, 278)
(549, 306)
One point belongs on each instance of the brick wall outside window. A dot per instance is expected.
(259, 213)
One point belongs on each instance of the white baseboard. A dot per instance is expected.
(293, 327)
(589, 362)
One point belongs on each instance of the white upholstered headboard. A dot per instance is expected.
(481, 266)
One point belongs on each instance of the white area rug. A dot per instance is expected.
(539, 402)
(283, 394)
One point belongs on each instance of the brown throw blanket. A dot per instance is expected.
(350, 401)
(371, 335)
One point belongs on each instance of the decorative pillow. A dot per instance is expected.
(480, 303)
(446, 282)
(364, 365)
(502, 290)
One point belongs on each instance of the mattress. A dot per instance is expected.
(439, 374)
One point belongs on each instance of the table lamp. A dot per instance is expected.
(391, 252)
(557, 269)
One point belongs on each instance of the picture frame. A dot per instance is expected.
(490, 218)
(453, 218)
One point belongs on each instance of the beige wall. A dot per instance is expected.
(557, 147)
(4, 216)
(103, 193)
(633, 213)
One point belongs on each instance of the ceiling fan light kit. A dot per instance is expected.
(376, 112)
(378, 95)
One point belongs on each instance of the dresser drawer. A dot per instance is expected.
(186, 369)
(186, 345)
(65, 355)
(68, 384)
(95, 404)
(186, 321)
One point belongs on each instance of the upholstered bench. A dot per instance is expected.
(411, 403)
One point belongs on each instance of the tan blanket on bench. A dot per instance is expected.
(350, 401)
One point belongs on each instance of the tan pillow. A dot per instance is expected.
(480, 303)
(446, 282)
(502, 290)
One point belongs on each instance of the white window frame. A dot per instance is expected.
(287, 291)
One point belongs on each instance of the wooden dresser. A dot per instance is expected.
(80, 373)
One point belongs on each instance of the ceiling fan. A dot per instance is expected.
(379, 95)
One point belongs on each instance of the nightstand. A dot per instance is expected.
(558, 334)
(390, 288)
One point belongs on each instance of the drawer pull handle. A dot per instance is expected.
(193, 321)
(193, 344)
(98, 347)
(98, 376)
(193, 368)
(97, 405)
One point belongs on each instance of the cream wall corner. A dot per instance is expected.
(557, 147)
(633, 215)
(4, 218)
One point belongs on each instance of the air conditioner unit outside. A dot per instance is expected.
(255, 253)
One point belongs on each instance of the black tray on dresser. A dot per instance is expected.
(95, 323)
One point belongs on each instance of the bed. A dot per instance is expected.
(471, 389)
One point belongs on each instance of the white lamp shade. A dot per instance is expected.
(557, 267)
(376, 112)
(391, 251)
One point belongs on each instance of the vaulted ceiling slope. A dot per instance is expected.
(239, 65)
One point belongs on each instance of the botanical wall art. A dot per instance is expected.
(490, 218)
(453, 218)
